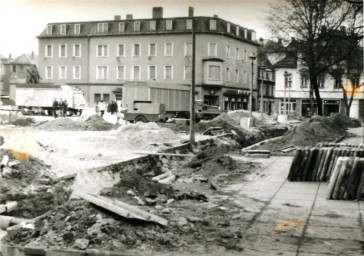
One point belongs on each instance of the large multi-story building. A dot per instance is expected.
(100, 56)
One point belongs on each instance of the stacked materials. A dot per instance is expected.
(347, 179)
(317, 164)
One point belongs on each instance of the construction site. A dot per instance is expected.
(87, 185)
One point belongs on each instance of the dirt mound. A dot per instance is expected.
(308, 134)
(23, 122)
(244, 137)
(29, 182)
(92, 123)
(344, 121)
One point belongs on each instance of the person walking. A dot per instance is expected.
(55, 108)
(102, 108)
(65, 107)
(61, 108)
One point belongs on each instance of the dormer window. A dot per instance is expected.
(152, 25)
(212, 24)
(77, 29)
(49, 29)
(245, 33)
(237, 30)
(188, 24)
(102, 27)
(228, 27)
(121, 27)
(169, 24)
(137, 26)
(63, 29)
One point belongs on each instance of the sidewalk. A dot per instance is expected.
(294, 218)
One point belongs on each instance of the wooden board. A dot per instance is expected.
(122, 209)
(333, 177)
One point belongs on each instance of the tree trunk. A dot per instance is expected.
(315, 87)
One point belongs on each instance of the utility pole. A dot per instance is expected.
(262, 70)
(252, 58)
(192, 96)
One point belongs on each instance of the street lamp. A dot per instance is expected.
(252, 57)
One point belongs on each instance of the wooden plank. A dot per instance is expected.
(352, 183)
(164, 154)
(333, 177)
(359, 191)
(303, 163)
(295, 162)
(345, 179)
(317, 164)
(323, 175)
(306, 169)
(314, 160)
(122, 209)
(321, 164)
(339, 180)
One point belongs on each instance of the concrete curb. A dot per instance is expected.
(261, 143)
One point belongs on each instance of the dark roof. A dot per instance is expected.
(88, 29)
(24, 59)
(213, 59)
(290, 61)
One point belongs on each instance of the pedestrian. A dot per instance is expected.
(61, 108)
(55, 108)
(102, 108)
(65, 108)
(115, 107)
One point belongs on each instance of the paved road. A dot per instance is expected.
(294, 218)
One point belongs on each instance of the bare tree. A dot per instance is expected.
(306, 20)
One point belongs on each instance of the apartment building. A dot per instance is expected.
(100, 57)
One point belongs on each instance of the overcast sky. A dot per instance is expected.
(22, 20)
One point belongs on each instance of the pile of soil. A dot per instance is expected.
(243, 137)
(193, 222)
(29, 182)
(92, 123)
(344, 121)
(24, 122)
(308, 134)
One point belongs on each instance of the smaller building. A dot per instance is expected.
(292, 86)
(16, 70)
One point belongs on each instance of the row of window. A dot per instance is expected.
(103, 27)
(102, 73)
(103, 50)
(62, 72)
(62, 51)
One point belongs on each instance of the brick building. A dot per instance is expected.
(100, 56)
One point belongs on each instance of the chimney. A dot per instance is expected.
(9, 56)
(190, 11)
(117, 17)
(215, 16)
(157, 12)
(129, 16)
(32, 56)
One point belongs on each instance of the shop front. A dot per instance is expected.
(236, 99)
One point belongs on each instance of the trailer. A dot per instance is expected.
(154, 102)
(39, 98)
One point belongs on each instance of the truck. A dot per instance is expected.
(151, 102)
(39, 98)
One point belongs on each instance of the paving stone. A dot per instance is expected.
(335, 213)
(329, 246)
(268, 229)
(260, 252)
(337, 221)
(271, 242)
(334, 232)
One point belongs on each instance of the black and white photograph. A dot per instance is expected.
(181, 127)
